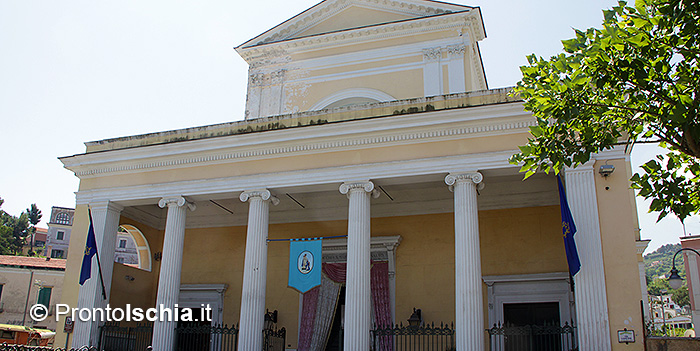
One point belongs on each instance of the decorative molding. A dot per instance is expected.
(432, 54)
(327, 9)
(395, 130)
(178, 201)
(351, 36)
(454, 51)
(415, 167)
(642, 245)
(473, 177)
(263, 194)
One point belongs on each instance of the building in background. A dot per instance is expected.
(40, 237)
(58, 237)
(26, 281)
(692, 272)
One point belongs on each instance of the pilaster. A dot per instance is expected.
(105, 221)
(589, 282)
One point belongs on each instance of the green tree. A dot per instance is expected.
(34, 216)
(637, 79)
(680, 296)
(13, 232)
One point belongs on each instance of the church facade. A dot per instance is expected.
(370, 119)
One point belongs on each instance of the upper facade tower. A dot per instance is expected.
(344, 52)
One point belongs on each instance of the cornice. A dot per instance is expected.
(326, 9)
(264, 51)
(349, 135)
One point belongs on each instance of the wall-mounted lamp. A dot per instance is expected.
(606, 170)
(158, 256)
(270, 319)
(416, 318)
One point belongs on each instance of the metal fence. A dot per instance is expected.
(409, 338)
(12, 347)
(114, 337)
(532, 338)
(206, 338)
(274, 340)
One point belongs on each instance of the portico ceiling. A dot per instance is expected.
(398, 197)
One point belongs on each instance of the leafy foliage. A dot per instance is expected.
(637, 79)
(13, 232)
(34, 216)
(657, 265)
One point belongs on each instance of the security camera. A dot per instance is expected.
(606, 170)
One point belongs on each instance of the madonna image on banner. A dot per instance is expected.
(304, 264)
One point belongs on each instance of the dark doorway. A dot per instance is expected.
(193, 335)
(528, 323)
(335, 338)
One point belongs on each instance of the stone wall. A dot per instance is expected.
(672, 344)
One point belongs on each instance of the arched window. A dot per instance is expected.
(349, 97)
(63, 218)
(142, 248)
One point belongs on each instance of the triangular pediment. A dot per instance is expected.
(337, 15)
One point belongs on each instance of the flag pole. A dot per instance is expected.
(99, 267)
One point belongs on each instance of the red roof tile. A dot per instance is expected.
(32, 262)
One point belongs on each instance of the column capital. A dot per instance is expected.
(178, 201)
(263, 194)
(364, 185)
(473, 177)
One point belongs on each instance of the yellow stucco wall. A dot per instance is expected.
(619, 231)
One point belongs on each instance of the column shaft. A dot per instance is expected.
(170, 271)
(105, 218)
(357, 284)
(469, 308)
(589, 291)
(254, 270)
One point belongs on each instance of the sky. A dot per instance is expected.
(73, 71)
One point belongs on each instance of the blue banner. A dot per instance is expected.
(568, 230)
(90, 250)
(304, 264)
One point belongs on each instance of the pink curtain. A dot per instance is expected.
(308, 316)
(379, 280)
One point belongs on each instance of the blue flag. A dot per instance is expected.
(568, 229)
(90, 250)
(305, 264)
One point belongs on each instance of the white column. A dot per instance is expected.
(469, 303)
(105, 220)
(254, 269)
(357, 283)
(589, 282)
(432, 72)
(170, 269)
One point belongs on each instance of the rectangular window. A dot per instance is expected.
(56, 253)
(59, 235)
(44, 297)
(122, 243)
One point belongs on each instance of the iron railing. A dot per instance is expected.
(274, 340)
(114, 337)
(551, 337)
(425, 338)
(206, 338)
(13, 347)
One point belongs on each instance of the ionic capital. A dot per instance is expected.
(262, 194)
(366, 186)
(176, 201)
(475, 178)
